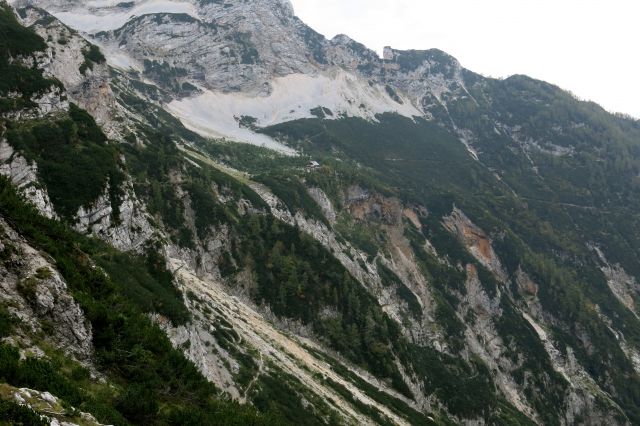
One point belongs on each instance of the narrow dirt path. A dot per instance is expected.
(253, 381)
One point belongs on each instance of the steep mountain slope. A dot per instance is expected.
(465, 253)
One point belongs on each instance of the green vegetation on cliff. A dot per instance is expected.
(152, 383)
(19, 43)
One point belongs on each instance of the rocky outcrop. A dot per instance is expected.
(214, 43)
(585, 401)
(413, 216)
(623, 286)
(24, 176)
(477, 242)
(48, 406)
(373, 207)
(197, 341)
(351, 258)
(484, 341)
(50, 102)
(324, 202)
(67, 58)
(402, 262)
(129, 231)
(36, 294)
(526, 286)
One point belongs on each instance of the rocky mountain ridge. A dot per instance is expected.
(209, 53)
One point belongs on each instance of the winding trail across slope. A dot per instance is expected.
(254, 379)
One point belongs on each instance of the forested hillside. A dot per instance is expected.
(285, 229)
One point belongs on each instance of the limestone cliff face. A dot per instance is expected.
(324, 202)
(86, 82)
(215, 43)
(132, 229)
(484, 340)
(476, 241)
(583, 397)
(37, 295)
(24, 175)
(130, 232)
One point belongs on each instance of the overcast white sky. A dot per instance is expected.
(590, 47)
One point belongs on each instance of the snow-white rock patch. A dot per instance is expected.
(118, 57)
(108, 15)
(292, 97)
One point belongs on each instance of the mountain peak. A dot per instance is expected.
(417, 57)
(342, 39)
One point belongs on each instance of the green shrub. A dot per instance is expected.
(7, 322)
(92, 56)
(466, 389)
(28, 288)
(16, 40)
(14, 414)
(209, 212)
(43, 273)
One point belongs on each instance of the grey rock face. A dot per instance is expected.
(89, 87)
(217, 45)
(49, 407)
(37, 294)
(129, 233)
(477, 242)
(324, 202)
(200, 50)
(24, 176)
(244, 45)
(86, 83)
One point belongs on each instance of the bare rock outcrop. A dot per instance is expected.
(35, 292)
(477, 242)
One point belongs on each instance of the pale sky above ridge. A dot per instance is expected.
(589, 47)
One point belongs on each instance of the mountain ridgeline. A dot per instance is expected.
(212, 214)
